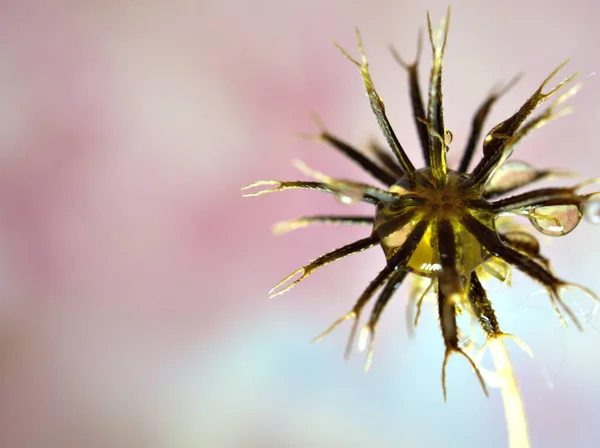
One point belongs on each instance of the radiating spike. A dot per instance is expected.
(510, 126)
(344, 318)
(482, 307)
(385, 159)
(492, 242)
(450, 351)
(286, 284)
(275, 184)
(379, 109)
(346, 191)
(383, 299)
(418, 106)
(556, 298)
(435, 113)
(420, 302)
(486, 316)
(281, 185)
(522, 345)
(500, 141)
(526, 243)
(354, 314)
(536, 199)
(479, 120)
(447, 313)
(587, 291)
(355, 155)
(420, 287)
(512, 140)
(298, 223)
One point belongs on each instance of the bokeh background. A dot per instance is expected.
(134, 279)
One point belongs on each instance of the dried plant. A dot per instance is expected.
(449, 228)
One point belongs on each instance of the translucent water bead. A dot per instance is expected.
(555, 220)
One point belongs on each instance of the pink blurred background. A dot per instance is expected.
(134, 278)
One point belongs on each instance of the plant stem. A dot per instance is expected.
(518, 436)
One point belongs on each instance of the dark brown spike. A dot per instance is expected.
(492, 242)
(363, 161)
(482, 307)
(379, 109)
(538, 198)
(386, 295)
(383, 299)
(418, 106)
(369, 192)
(451, 281)
(446, 244)
(348, 191)
(500, 141)
(298, 223)
(385, 159)
(526, 243)
(280, 185)
(420, 303)
(355, 187)
(435, 111)
(447, 314)
(494, 141)
(305, 271)
(478, 122)
(450, 294)
(354, 314)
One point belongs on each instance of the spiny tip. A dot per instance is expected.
(286, 284)
(272, 183)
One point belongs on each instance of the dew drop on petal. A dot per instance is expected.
(349, 195)
(592, 210)
(511, 174)
(555, 220)
(447, 138)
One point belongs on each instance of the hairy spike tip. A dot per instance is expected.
(522, 345)
(559, 85)
(366, 340)
(282, 227)
(447, 354)
(275, 184)
(416, 61)
(344, 318)
(286, 284)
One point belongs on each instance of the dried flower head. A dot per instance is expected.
(447, 227)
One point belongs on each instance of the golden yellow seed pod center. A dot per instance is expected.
(448, 203)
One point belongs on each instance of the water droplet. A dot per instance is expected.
(497, 268)
(510, 175)
(448, 137)
(349, 195)
(592, 210)
(555, 220)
